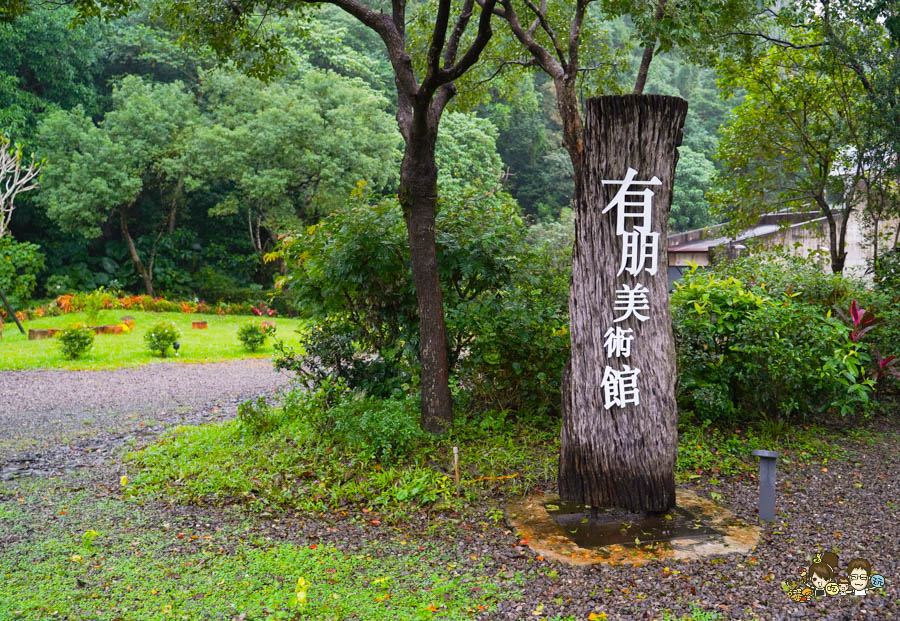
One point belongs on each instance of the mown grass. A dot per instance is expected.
(112, 351)
(145, 568)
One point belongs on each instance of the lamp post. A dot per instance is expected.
(766, 484)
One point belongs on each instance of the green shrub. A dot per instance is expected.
(258, 417)
(252, 334)
(744, 354)
(381, 429)
(299, 405)
(519, 341)
(887, 273)
(20, 264)
(161, 336)
(375, 428)
(75, 340)
(504, 304)
(776, 273)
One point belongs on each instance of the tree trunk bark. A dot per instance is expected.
(418, 197)
(621, 455)
(835, 238)
(135, 257)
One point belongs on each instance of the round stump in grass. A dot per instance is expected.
(198, 325)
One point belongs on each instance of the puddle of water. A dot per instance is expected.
(593, 528)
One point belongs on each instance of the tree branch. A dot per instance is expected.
(543, 58)
(575, 33)
(648, 52)
(438, 38)
(777, 42)
(481, 40)
(545, 26)
(834, 41)
(14, 179)
(506, 63)
(462, 22)
(534, 24)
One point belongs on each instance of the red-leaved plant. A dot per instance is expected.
(863, 320)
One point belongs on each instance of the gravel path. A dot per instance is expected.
(42, 412)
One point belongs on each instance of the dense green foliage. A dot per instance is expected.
(173, 174)
(252, 334)
(20, 264)
(161, 336)
(504, 298)
(261, 158)
(745, 354)
(75, 340)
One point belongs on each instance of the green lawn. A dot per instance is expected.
(106, 558)
(218, 342)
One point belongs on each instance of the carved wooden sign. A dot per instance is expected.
(619, 432)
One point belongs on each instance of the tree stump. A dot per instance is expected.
(198, 325)
(619, 430)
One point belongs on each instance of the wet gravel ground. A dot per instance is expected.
(850, 506)
(54, 420)
(819, 508)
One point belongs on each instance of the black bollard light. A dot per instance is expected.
(175, 346)
(766, 484)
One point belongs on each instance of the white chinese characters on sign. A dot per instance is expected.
(640, 253)
(618, 342)
(620, 387)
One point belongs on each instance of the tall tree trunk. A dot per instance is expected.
(135, 257)
(173, 207)
(835, 238)
(622, 455)
(418, 197)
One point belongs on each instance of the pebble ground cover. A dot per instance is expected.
(218, 342)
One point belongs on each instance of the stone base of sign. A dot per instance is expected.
(529, 518)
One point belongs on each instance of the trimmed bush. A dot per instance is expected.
(20, 264)
(253, 334)
(75, 340)
(161, 336)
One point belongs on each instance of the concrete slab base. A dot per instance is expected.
(529, 517)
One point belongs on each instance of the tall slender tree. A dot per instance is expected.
(236, 30)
